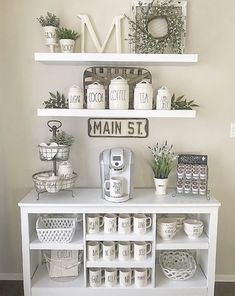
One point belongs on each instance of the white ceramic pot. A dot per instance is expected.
(163, 101)
(65, 169)
(119, 94)
(95, 96)
(160, 185)
(143, 95)
(50, 35)
(75, 96)
(67, 45)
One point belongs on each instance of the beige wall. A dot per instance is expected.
(24, 85)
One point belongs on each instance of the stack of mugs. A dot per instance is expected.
(123, 250)
(125, 277)
(193, 228)
(179, 218)
(122, 223)
(167, 228)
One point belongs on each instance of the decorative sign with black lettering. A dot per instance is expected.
(192, 159)
(118, 127)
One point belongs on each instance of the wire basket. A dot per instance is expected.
(50, 152)
(177, 265)
(46, 182)
(55, 230)
(66, 263)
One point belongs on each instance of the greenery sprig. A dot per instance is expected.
(144, 41)
(64, 33)
(49, 20)
(182, 104)
(56, 101)
(163, 160)
(62, 138)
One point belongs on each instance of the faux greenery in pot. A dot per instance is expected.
(67, 39)
(56, 100)
(50, 23)
(62, 138)
(182, 104)
(162, 164)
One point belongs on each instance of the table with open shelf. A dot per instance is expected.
(88, 200)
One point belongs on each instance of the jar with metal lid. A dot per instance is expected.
(163, 99)
(119, 94)
(95, 96)
(143, 95)
(75, 97)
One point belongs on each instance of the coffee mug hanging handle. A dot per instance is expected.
(150, 222)
(105, 187)
(149, 245)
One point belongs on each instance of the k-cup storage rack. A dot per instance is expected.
(37, 281)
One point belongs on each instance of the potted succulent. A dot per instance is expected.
(64, 142)
(67, 39)
(50, 23)
(162, 164)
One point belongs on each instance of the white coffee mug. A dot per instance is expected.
(65, 169)
(141, 250)
(141, 277)
(110, 223)
(125, 277)
(94, 222)
(124, 250)
(110, 277)
(93, 250)
(141, 223)
(109, 251)
(124, 223)
(115, 186)
(95, 277)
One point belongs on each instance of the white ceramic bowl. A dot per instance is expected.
(191, 224)
(195, 233)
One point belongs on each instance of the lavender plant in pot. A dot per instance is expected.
(162, 164)
(50, 23)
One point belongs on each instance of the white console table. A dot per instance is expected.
(87, 200)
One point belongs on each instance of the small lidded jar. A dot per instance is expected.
(95, 96)
(143, 96)
(75, 97)
(163, 101)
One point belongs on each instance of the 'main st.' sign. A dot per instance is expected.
(118, 127)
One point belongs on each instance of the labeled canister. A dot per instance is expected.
(163, 101)
(75, 97)
(143, 95)
(119, 94)
(95, 96)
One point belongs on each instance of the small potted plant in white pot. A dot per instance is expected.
(162, 164)
(50, 23)
(67, 39)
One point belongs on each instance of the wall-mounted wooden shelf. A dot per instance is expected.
(115, 58)
(116, 113)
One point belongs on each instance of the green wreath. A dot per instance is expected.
(144, 41)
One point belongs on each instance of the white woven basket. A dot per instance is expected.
(177, 265)
(55, 230)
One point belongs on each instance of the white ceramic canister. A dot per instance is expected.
(50, 35)
(75, 96)
(163, 99)
(119, 94)
(67, 45)
(95, 96)
(65, 169)
(143, 95)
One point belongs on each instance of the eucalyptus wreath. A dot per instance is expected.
(144, 41)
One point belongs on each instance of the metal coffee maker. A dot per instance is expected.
(116, 170)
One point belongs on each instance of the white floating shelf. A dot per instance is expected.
(75, 244)
(101, 236)
(148, 263)
(106, 113)
(181, 241)
(115, 58)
